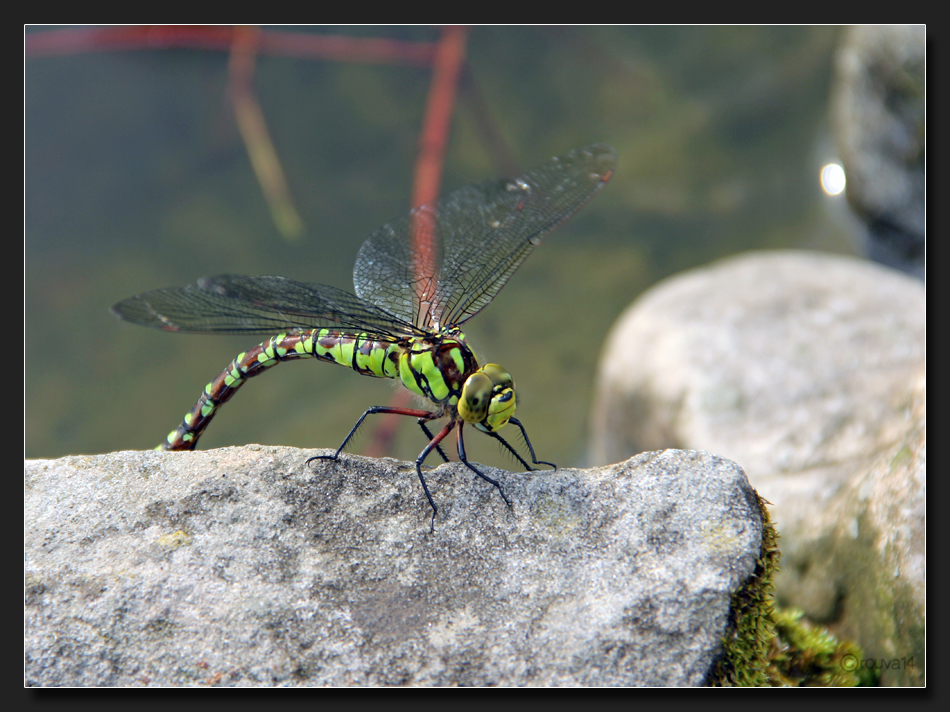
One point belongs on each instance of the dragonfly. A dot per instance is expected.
(417, 280)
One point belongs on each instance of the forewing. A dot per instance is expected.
(236, 303)
(445, 261)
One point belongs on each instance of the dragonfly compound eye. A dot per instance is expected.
(500, 410)
(476, 396)
(500, 378)
(501, 404)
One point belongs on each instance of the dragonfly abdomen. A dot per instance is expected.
(360, 352)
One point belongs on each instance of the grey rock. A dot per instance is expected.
(245, 566)
(869, 565)
(805, 369)
(878, 101)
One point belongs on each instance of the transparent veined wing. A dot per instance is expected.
(445, 261)
(237, 303)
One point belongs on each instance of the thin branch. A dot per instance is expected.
(253, 127)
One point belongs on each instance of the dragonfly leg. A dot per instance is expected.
(433, 443)
(469, 465)
(524, 434)
(510, 449)
(372, 411)
(429, 435)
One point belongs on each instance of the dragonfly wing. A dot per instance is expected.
(237, 303)
(445, 261)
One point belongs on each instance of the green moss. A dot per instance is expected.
(751, 630)
(767, 647)
(806, 655)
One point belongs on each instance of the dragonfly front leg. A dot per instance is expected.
(463, 458)
(371, 411)
(514, 452)
(524, 434)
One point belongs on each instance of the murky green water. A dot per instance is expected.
(136, 177)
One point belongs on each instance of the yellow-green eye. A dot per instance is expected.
(488, 398)
(476, 396)
(500, 410)
(499, 376)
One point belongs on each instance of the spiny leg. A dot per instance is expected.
(510, 449)
(524, 434)
(422, 414)
(429, 435)
(463, 458)
(433, 443)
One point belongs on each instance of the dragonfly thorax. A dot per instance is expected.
(444, 370)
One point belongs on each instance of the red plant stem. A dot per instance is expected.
(449, 58)
(339, 48)
(435, 135)
(446, 71)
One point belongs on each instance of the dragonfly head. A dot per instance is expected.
(488, 398)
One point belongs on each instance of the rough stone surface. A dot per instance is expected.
(245, 566)
(809, 371)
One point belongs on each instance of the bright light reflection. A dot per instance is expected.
(832, 179)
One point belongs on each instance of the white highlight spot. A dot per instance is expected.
(832, 179)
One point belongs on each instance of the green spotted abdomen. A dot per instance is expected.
(357, 351)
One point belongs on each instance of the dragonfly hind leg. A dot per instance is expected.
(421, 414)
